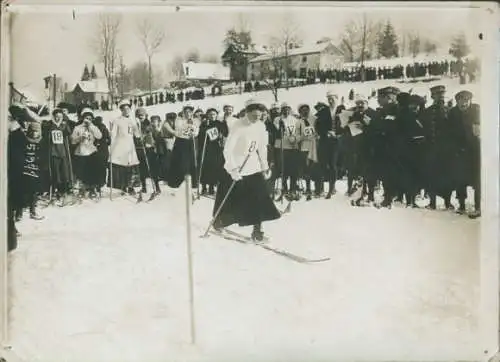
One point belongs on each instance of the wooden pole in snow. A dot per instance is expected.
(187, 182)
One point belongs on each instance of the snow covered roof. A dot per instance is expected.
(205, 71)
(308, 49)
(99, 85)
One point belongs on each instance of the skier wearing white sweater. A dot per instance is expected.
(245, 153)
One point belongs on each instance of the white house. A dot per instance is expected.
(205, 71)
(316, 57)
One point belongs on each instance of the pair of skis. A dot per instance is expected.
(242, 239)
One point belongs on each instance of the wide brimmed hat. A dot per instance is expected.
(188, 106)
(331, 93)
(227, 106)
(359, 98)
(86, 111)
(171, 115)
(464, 94)
(275, 106)
(254, 102)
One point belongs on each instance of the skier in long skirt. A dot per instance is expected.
(86, 157)
(56, 150)
(247, 202)
(184, 154)
(122, 151)
(210, 144)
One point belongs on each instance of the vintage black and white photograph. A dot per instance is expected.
(254, 182)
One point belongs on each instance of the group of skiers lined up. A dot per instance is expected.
(402, 145)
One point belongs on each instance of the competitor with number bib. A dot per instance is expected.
(242, 196)
(310, 170)
(288, 144)
(55, 144)
(184, 153)
(211, 159)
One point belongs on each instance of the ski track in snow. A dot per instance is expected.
(108, 282)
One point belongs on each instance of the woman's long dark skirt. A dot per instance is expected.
(122, 176)
(182, 163)
(87, 169)
(249, 202)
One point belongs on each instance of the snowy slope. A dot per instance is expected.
(108, 282)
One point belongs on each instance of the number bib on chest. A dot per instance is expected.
(57, 137)
(308, 131)
(213, 134)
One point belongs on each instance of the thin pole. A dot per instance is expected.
(54, 90)
(190, 259)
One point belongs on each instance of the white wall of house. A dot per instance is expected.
(325, 60)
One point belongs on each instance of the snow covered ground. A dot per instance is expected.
(108, 282)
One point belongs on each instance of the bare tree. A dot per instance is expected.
(359, 40)
(152, 37)
(288, 38)
(105, 45)
(272, 71)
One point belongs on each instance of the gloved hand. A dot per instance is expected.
(235, 175)
(267, 174)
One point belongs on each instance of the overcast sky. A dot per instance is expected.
(52, 42)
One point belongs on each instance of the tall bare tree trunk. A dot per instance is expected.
(150, 76)
(363, 46)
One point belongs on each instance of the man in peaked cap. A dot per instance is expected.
(440, 151)
(465, 116)
(384, 142)
(328, 130)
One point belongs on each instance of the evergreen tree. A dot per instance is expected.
(459, 47)
(236, 43)
(388, 42)
(86, 74)
(93, 73)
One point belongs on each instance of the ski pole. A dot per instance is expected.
(283, 181)
(110, 164)
(146, 159)
(202, 158)
(226, 196)
(195, 153)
